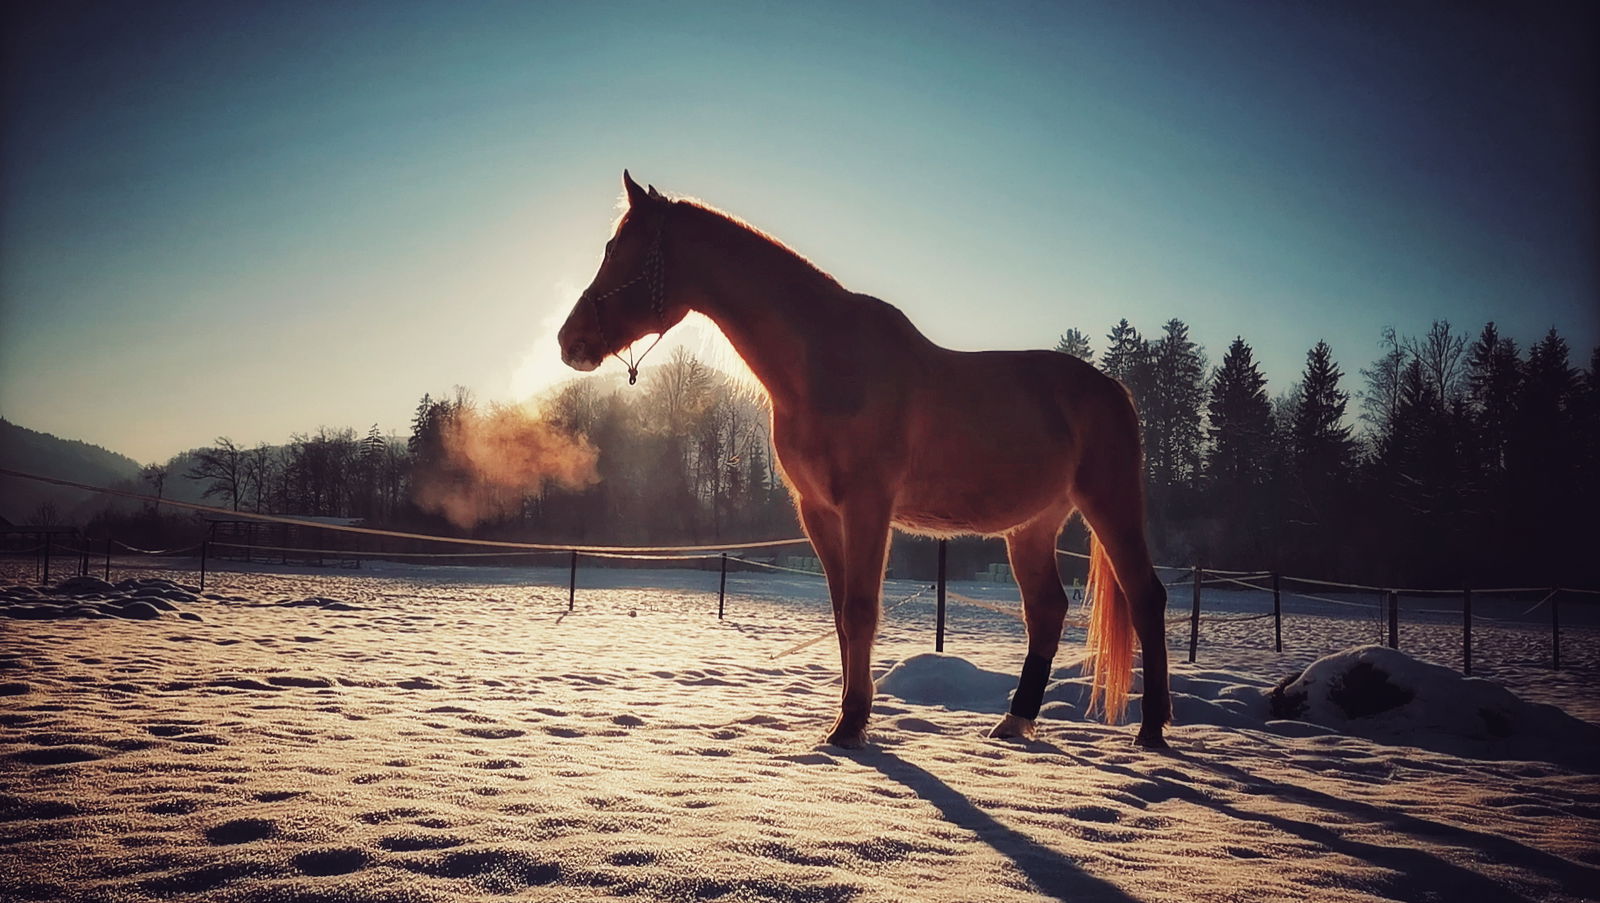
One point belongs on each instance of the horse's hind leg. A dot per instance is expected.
(1118, 524)
(1032, 550)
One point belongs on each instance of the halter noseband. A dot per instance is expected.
(655, 272)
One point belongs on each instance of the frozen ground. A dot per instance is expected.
(450, 734)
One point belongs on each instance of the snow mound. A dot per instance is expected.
(934, 678)
(1386, 695)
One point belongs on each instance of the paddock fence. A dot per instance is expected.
(1371, 613)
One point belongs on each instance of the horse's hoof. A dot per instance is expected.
(848, 739)
(1151, 740)
(1014, 727)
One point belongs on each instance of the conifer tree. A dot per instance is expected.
(1320, 441)
(1127, 359)
(1173, 407)
(1240, 421)
(1076, 343)
(1493, 378)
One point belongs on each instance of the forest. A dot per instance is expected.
(1451, 459)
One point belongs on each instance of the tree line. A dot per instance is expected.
(1449, 460)
(1468, 461)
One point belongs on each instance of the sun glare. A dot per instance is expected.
(540, 367)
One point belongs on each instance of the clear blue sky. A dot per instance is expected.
(219, 220)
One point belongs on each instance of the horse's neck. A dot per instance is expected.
(767, 301)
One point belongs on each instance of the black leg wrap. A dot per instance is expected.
(1030, 689)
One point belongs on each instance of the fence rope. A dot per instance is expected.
(779, 567)
(139, 551)
(822, 636)
(1242, 582)
(353, 553)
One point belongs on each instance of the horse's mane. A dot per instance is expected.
(760, 236)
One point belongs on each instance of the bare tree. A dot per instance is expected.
(261, 466)
(156, 476)
(223, 466)
(1381, 396)
(1442, 354)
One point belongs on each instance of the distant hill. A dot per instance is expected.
(31, 451)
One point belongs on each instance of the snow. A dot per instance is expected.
(420, 734)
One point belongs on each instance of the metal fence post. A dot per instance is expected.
(108, 558)
(1555, 629)
(1277, 613)
(205, 546)
(46, 559)
(572, 581)
(1194, 617)
(938, 634)
(722, 586)
(1466, 631)
(1394, 620)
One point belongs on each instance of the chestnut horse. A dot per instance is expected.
(877, 427)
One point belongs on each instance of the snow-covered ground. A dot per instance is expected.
(407, 733)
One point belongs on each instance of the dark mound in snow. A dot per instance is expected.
(1384, 694)
(142, 599)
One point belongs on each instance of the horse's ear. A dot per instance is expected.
(636, 195)
(656, 195)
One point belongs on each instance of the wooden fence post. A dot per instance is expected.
(46, 559)
(205, 547)
(572, 581)
(722, 586)
(938, 634)
(1394, 620)
(1466, 631)
(1194, 617)
(1555, 629)
(108, 557)
(1277, 613)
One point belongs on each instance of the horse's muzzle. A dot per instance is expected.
(578, 356)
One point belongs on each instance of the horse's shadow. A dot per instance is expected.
(1050, 871)
(1420, 874)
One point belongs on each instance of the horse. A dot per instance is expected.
(875, 427)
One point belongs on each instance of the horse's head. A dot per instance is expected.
(628, 298)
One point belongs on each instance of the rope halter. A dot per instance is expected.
(654, 272)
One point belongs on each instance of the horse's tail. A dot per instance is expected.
(1110, 636)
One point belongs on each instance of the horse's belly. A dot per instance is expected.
(978, 499)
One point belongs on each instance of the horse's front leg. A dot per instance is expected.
(866, 547)
(826, 532)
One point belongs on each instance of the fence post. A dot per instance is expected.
(1466, 631)
(1555, 629)
(1394, 620)
(1194, 617)
(722, 586)
(108, 557)
(46, 559)
(938, 631)
(572, 581)
(1277, 613)
(205, 546)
